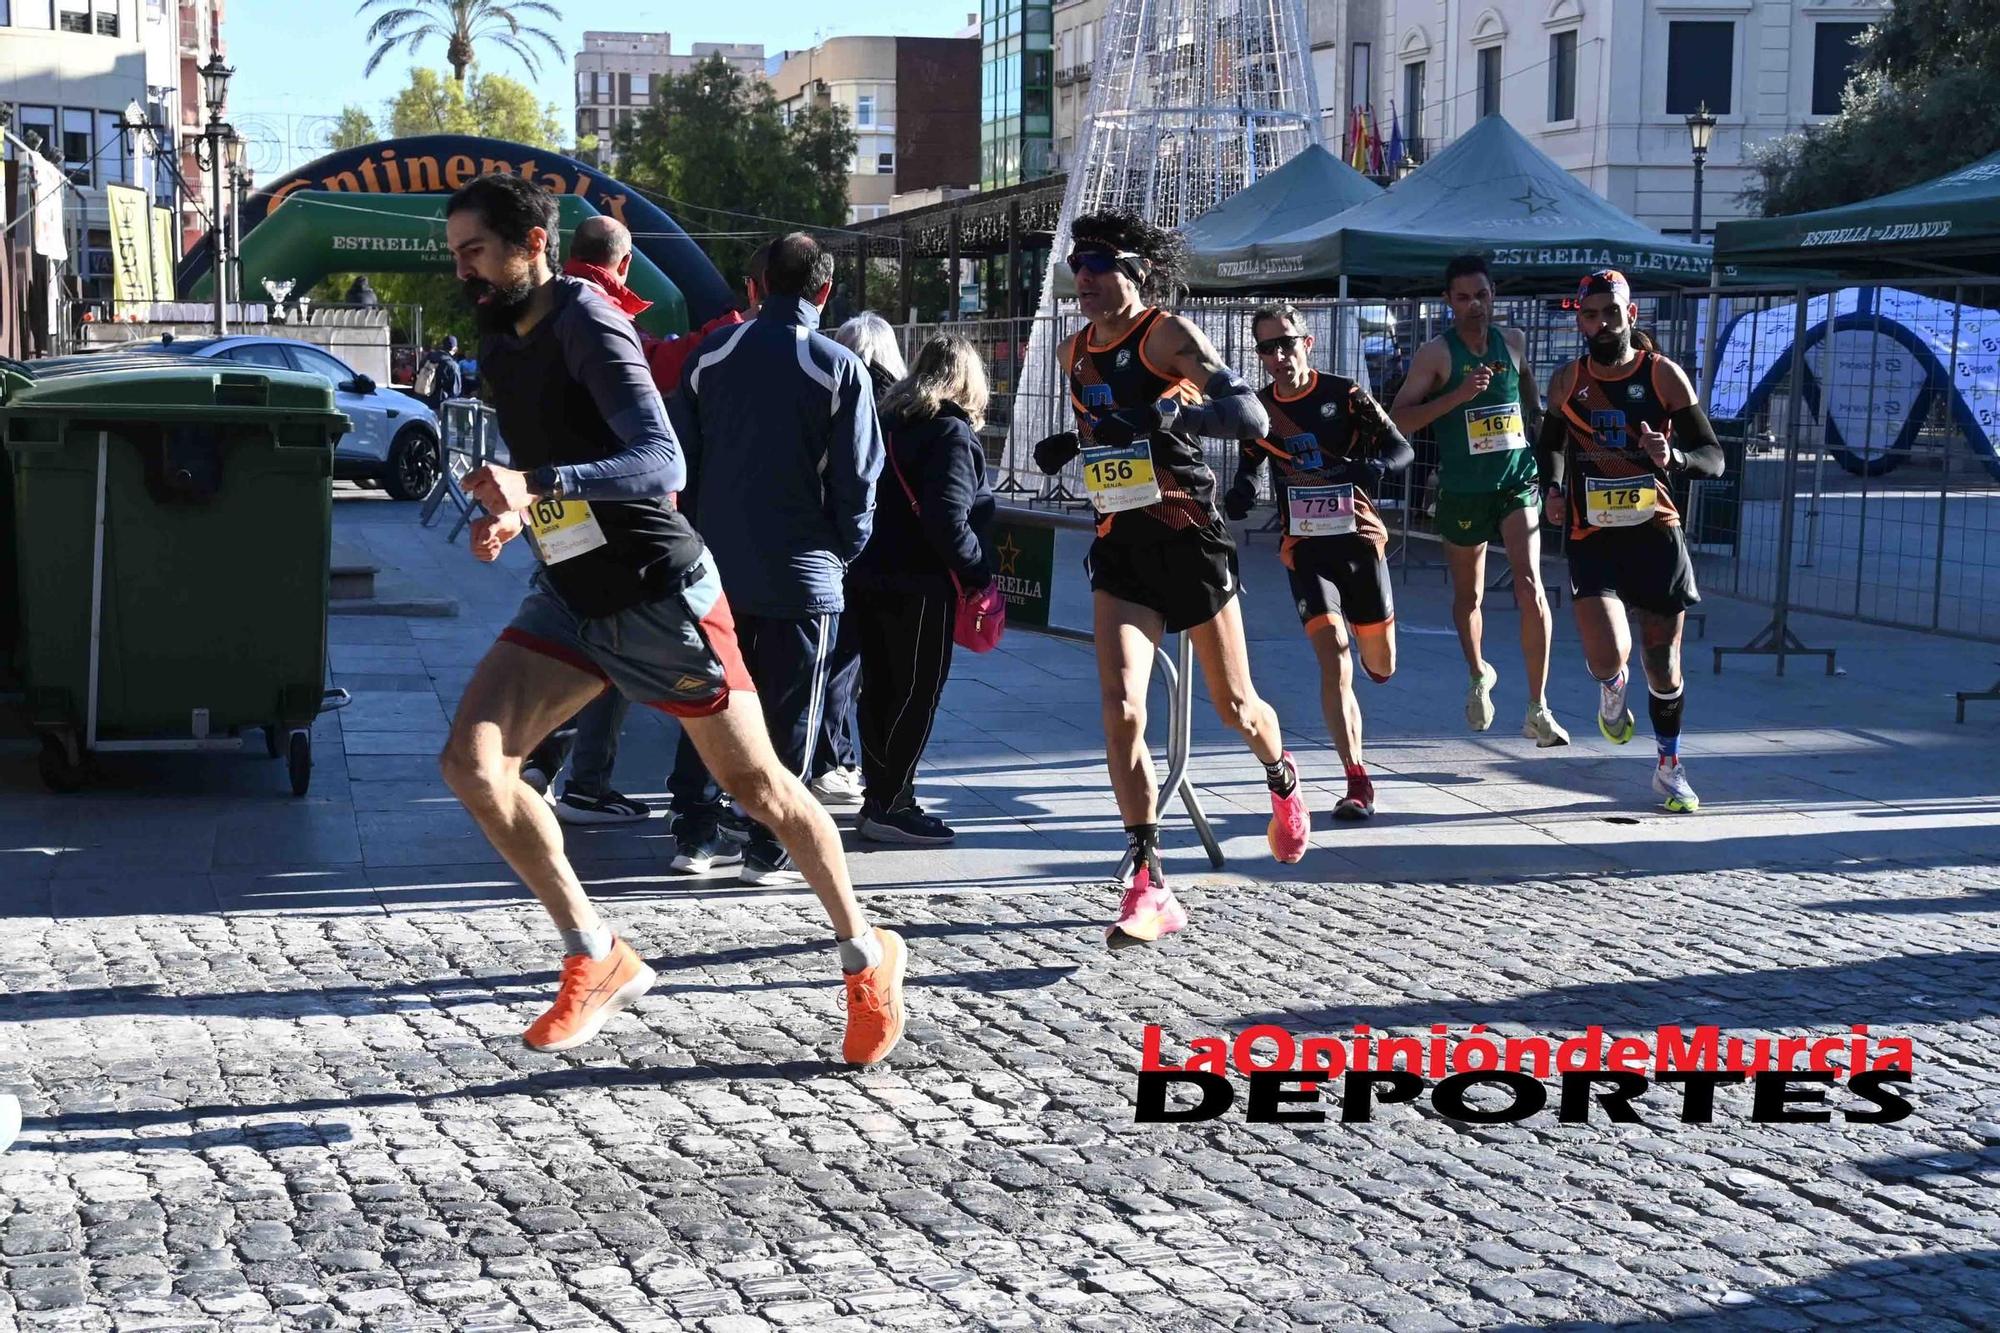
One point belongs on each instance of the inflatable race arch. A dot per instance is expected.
(380, 208)
(1877, 362)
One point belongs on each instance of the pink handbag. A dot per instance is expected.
(982, 613)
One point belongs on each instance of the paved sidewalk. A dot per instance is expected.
(269, 1052)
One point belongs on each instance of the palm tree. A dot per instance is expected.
(409, 24)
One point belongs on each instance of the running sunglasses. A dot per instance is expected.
(1104, 261)
(1273, 346)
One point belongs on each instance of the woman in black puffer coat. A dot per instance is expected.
(835, 772)
(931, 526)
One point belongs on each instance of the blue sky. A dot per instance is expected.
(289, 84)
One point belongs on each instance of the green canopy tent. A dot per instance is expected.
(1230, 244)
(1946, 226)
(1490, 193)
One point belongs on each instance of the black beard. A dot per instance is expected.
(1608, 349)
(497, 314)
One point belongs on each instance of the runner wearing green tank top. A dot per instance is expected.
(1475, 391)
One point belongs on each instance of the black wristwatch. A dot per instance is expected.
(546, 482)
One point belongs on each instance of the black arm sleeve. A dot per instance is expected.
(1691, 424)
(1549, 448)
(1391, 450)
(1249, 462)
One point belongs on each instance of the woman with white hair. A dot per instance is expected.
(933, 509)
(835, 775)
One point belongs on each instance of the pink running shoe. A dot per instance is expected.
(1291, 826)
(1147, 911)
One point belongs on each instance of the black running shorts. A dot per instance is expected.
(1188, 578)
(1647, 567)
(1341, 577)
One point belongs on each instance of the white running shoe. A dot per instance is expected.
(1670, 780)
(10, 1119)
(1543, 729)
(838, 788)
(1479, 699)
(1614, 719)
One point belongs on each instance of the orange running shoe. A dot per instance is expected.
(875, 1003)
(1291, 826)
(593, 989)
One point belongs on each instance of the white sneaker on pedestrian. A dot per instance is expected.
(605, 807)
(1543, 729)
(10, 1120)
(1479, 699)
(838, 788)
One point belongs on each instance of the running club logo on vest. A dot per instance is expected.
(1496, 1080)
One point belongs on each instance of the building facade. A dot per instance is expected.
(617, 74)
(72, 72)
(1016, 91)
(1602, 86)
(1605, 86)
(908, 102)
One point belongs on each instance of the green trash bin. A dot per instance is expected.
(173, 528)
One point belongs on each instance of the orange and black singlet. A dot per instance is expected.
(1313, 437)
(1103, 379)
(1613, 482)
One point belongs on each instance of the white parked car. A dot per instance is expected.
(394, 443)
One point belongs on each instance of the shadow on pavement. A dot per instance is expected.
(1925, 989)
(1935, 1291)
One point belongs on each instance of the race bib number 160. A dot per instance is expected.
(563, 529)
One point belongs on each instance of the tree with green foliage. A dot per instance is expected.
(490, 105)
(463, 26)
(1924, 99)
(720, 154)
(352, 128)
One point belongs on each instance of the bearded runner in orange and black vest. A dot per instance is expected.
(1329, 447)
(1622, 424)
(1143, 385)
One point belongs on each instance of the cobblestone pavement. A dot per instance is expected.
(276, 1081)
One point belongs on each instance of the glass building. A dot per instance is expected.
(1016, 91)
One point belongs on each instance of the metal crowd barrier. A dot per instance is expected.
(1179, 671)
(471, 440)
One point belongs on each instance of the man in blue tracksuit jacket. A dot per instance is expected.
(778, 423)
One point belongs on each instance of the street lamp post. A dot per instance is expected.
(215, 91)
(239, 185)
(1701, 127)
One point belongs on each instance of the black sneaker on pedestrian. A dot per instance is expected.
(739, 829)
(700, 847)
(600, 807)
(909, 826)
(766, 863)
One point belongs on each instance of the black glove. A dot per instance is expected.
(1240, 498)
(1128, 424)
(1056, 450)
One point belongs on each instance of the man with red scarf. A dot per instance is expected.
(601, 254)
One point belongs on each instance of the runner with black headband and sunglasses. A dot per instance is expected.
(1622, 423)
(1143, 384)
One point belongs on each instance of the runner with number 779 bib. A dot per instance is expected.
(1329, 448)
